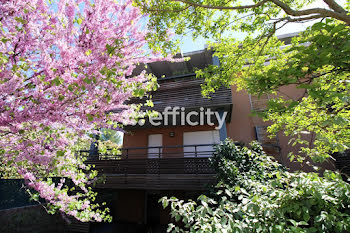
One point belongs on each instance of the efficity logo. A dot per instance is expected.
(179, 116)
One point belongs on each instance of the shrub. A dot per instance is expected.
(254, 193)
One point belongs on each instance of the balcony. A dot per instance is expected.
(156, 168)
(184, 92)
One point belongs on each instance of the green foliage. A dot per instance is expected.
(234, 163)
(112, 135)
(256, 194)
(316, 63)
(110, 142)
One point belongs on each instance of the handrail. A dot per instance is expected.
(150, 147)
(155, 147)
(195, 150)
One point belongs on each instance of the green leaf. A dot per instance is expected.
(88, 52)
(79, 21)
(22, 21)
(165, 203)
(90, 117)
(60, 153)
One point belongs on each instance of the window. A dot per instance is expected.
(199, 143)
(263, 136)
(259, 103)
(155, 141)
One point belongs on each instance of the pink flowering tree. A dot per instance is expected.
(64, 66)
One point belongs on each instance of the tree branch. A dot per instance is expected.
(320, 11)
(302, 19)
(160, 10)
(222, 7)
(338, 13)
(335, 6)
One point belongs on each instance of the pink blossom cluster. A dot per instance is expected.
(63, 67)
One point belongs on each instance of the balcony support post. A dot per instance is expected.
(126, 165)
(196, 161)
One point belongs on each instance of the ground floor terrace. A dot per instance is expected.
(136, 178)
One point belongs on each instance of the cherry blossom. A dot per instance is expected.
(65, 70)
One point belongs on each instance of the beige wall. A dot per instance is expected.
(241, 126)
(242, 123)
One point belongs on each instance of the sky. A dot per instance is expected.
(189, 45)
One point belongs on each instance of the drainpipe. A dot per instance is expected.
(222, 130)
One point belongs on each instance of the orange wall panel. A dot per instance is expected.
(139, 138)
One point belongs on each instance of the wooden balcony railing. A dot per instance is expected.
(185, 159)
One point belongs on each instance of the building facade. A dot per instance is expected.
(168, 155)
